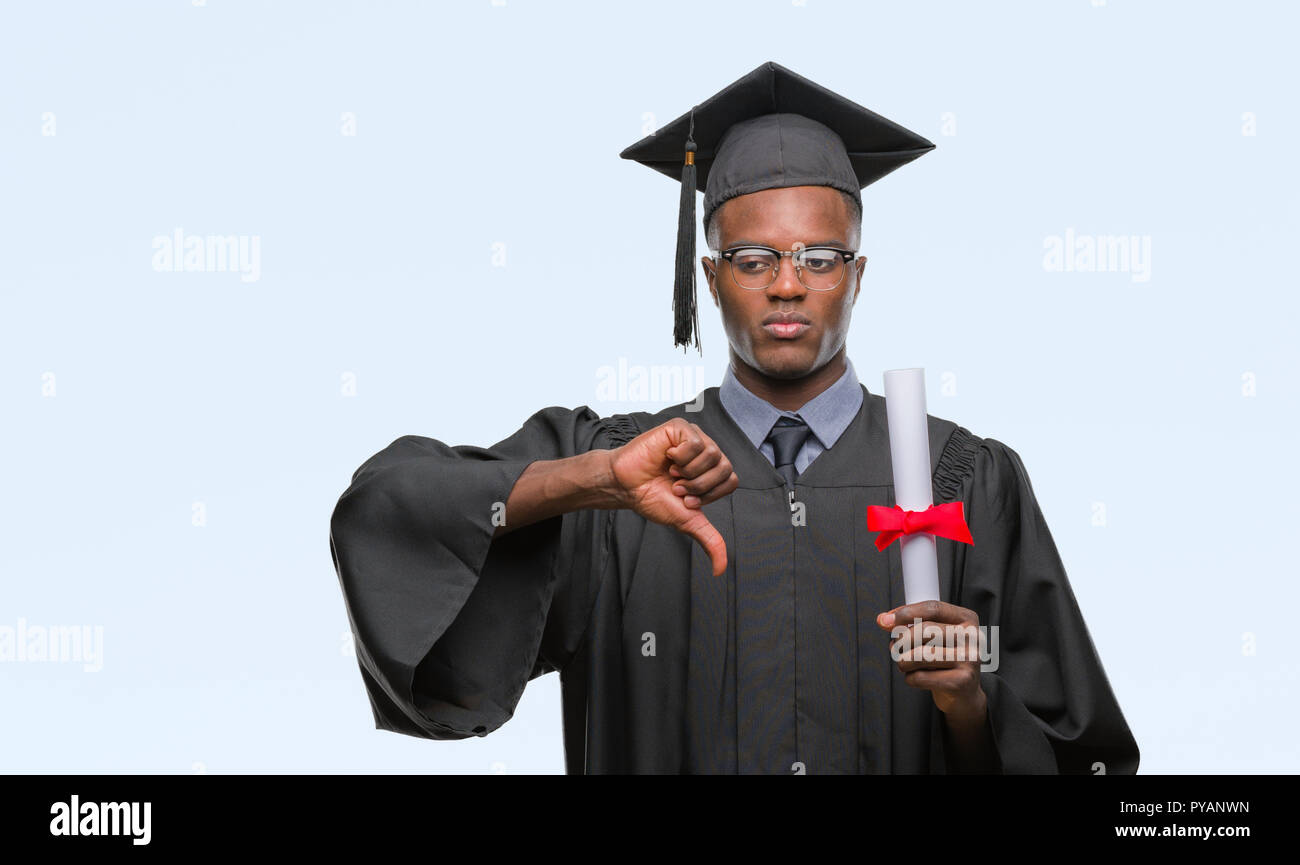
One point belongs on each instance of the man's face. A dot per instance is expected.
(780, 218)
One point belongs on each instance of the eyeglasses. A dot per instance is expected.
(818, 268)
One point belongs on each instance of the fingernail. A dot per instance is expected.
(887, 619)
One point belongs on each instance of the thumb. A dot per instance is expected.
(697, 525)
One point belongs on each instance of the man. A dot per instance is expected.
(703, 578)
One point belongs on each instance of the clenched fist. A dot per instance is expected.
(668, 473)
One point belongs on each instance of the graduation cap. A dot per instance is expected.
(771, 128)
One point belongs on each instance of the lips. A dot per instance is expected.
(785, 331)
(786, 325)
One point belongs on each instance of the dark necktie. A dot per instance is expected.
(787, 436)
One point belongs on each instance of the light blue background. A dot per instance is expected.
(224, 645)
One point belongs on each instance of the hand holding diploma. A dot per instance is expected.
(934, 643)
(937, 645)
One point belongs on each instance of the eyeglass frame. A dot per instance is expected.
(727, 254)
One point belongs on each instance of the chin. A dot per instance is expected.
(786, 362)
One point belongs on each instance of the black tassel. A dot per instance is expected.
(686, 320)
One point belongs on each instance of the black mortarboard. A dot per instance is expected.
(770, 129)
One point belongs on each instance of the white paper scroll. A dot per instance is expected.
(909, 451)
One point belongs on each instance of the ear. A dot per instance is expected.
(711, 274)
(859, 265)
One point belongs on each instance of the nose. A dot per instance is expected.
(786, 286)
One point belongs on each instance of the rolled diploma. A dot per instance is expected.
(909, 451)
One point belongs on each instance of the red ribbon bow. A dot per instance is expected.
(944, 521)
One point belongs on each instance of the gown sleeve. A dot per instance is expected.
(450, 624)
(1050, 705)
